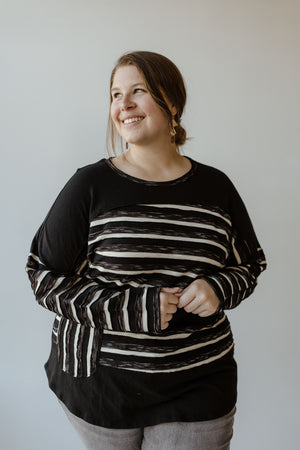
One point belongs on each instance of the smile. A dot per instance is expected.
(133, 119)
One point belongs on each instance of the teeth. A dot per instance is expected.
(133, 119)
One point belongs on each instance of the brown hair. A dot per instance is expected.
(162, 77)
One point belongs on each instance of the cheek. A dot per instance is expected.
(114, 113)
(157, 113)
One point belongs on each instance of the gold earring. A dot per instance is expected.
(172, 129)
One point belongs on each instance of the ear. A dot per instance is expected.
(173, 110)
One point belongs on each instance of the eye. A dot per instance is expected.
(116, 95)
(139, 90)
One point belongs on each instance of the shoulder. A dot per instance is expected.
(80, 186)
(91, 171)
(213, 187)
(87, 178)
(212, 175)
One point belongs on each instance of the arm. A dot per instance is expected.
(226, 289)
(57, 270)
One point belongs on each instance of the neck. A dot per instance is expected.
(154, 164)
(158, 156)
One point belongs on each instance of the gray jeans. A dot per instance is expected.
(205, 435)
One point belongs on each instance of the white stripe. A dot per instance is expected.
(219, 284)
(107, 315)
(89, 351)
(187, 208)
(190, 366)
(158, 255)
(118, 282)
(65, 347)
(144, 311)
(36, 259)
(81, 266)
(244, 272)
(238, 274)
(75, 349)
(173, 273)
(40, 279)
(235, 293)
(57, 283)
(159, 220)
(88, 307)
(118, 351)
(125, 311)
(224, 275)
(235, 252)
(147, 337)
(74, 299)
(58, 306)
(242, 269)
(102, 237)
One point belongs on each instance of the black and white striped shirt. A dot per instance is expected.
(107, 246)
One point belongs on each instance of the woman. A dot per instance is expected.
(139, 257)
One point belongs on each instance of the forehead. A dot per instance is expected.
(127, 75)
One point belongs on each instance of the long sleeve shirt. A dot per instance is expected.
(108, 245)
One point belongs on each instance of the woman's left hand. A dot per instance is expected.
(199, 298)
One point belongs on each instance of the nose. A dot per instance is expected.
(127, 103)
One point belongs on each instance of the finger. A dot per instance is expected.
(166, 299)
(185, 299)
(170, 290)
(167, 317)
(168, 308)
(171, 309)
(179, 294)
(173, 300)
(200, 311)
(206, 313)
(193, 305)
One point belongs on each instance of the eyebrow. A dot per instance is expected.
(116, 88)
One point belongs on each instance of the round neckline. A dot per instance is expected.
(180, 179)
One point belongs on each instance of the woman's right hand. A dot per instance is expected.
(168, 305)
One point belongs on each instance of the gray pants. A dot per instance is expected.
(206, 435)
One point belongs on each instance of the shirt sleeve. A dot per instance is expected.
(57, 267)
(246, 258)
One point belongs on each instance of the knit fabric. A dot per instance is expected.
(108, 245)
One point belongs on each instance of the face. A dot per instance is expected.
(137, 117)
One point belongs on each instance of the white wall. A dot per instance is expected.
(240, 60)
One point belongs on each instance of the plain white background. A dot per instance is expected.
(240, 60)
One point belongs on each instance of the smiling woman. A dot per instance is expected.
(135, 114)
(161, 79)
(139, 258)
(148, 97)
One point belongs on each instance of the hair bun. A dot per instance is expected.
(180, 136)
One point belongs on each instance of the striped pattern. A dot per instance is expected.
(159, 245)
(171, 353)
(132, 252)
